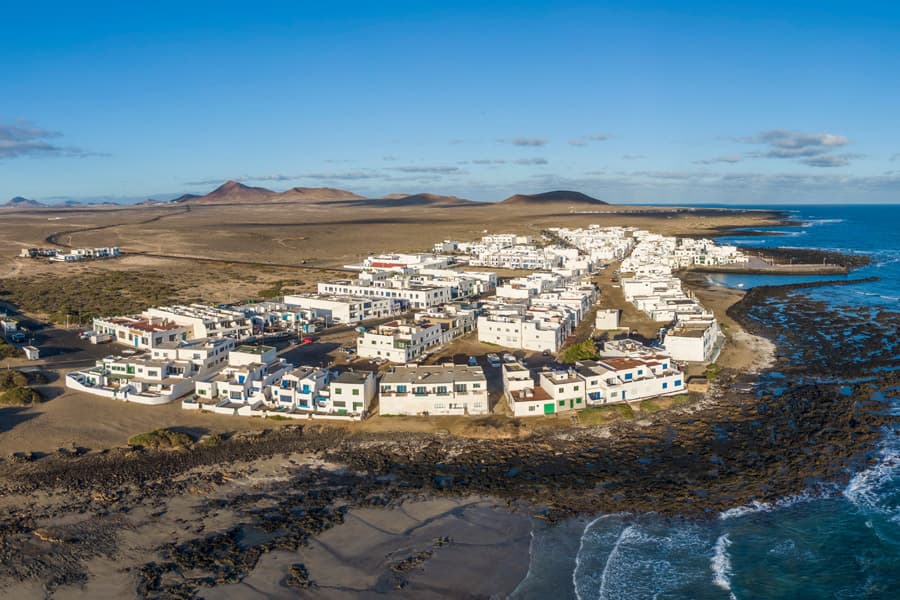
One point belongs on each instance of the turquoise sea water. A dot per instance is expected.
(834, 541)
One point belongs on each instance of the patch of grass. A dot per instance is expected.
(680, 400)
(12, 379)
(651, 406)
(599, 415)
(161, 439)
(7, 350)
(19, 396)
(711, 371)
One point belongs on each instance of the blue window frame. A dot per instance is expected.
(628, 375)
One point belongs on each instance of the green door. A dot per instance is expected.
(549, 408)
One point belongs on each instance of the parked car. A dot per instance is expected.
(507, 357)
(493, 360)
(473, 361)
(17, 337)
(546, 353)
(306, 340)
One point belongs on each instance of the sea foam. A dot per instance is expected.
(720, 564)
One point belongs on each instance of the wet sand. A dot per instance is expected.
(363, 557)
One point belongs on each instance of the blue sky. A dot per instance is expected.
(630, 102)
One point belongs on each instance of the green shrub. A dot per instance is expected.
(19, 396)
(210, 440)
(12, 379)
(161, 439)
(585, 350)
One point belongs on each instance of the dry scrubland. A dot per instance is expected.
(164, 245)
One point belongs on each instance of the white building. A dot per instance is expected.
(346, 309)
(352, 392)
(607, 319)
(565, 388)
(619, 379)
(695, 341)
(526, 332)
(205, 321)
(246, 380)
(416, 296)
(433, 390)
(167, 372)
(399, 343)
(140, 332)
(321, 391)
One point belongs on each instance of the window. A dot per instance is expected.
(577, 400)
(576, 388)
(401, 389)
(476, 385)
(628, 376)
(562, 402)
(677, 382)
(355, 392)
(337, 391)
(665, 365)
(531, 409)
(665, 384)
(561, 390)
(640, 371)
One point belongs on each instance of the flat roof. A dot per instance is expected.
(432, 374)
(538, 394)
(253, 349)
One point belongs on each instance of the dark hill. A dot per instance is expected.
(555, 197)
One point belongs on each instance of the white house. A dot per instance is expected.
(693, 341)
(397, 342)
(620, 379)
(417, 296)
(352, 392)
(526, 332)
(607, 319)
(245, 381)
(565, 388)
(141, 332)
(205, 321)
(433, 390)
(320, 391)
(347, 309)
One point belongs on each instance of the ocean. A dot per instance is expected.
(834, 541)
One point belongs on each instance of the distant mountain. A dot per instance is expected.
(238, 193)
(317, 193)
(183, 198)
(232, 191)
(555, 197)
(20, 202)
